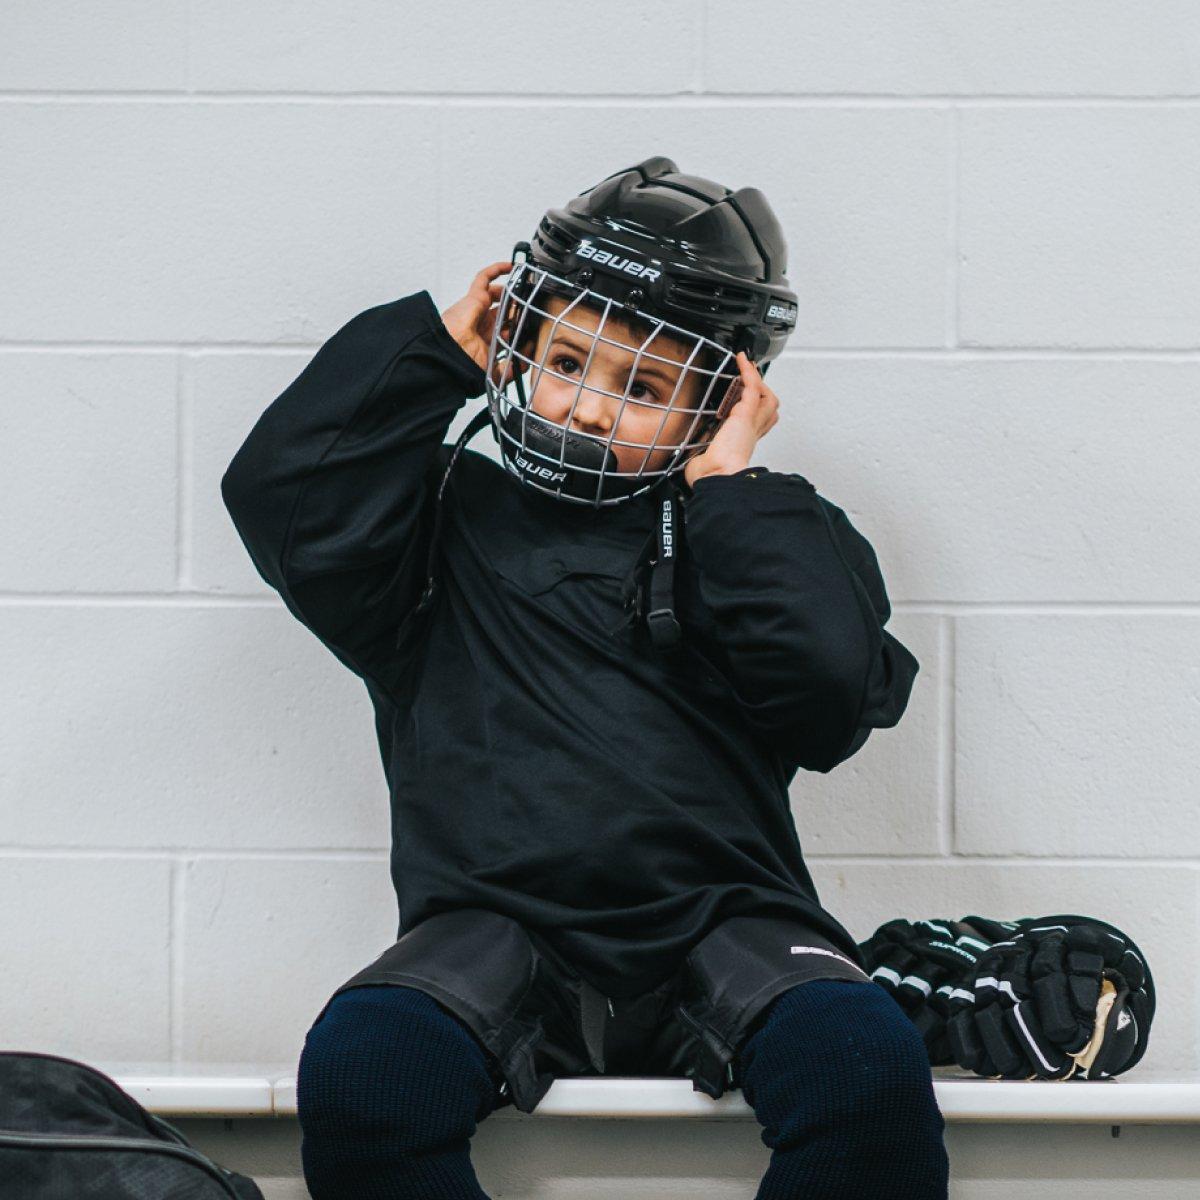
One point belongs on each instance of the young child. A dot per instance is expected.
(595, 669)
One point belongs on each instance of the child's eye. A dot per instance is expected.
(567, 358)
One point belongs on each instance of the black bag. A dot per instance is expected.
(69, 1132)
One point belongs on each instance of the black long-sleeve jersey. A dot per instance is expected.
(543, 760)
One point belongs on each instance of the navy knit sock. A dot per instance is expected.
(840, 1081)
(389, 1089)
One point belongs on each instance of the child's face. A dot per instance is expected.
(595, 412)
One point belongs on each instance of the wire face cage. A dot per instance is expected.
(617, 398)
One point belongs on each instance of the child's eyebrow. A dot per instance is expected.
(644, 368)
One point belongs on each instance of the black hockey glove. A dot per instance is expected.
(1062, 994)
(921, 963)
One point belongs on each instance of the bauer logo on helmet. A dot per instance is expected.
(616, 262)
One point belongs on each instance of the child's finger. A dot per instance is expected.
(485, 279)
(486, 274)
(750, 376)
(755, 389)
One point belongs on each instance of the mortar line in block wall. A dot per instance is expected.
(187, 48)
(948, 711)
(943, 353)
(966, 858)
(1196, 968)
(559, 100)
(953, 155)
(183, 474)
(381, 855)
(195, 854)
(175, 970)
(201, 599)
(437, 284)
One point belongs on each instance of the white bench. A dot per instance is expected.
(1141, 1097)
(199, 1089)
(1005, 1137)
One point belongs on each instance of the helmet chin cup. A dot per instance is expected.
(561, 461)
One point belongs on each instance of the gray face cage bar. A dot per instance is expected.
(568, 463)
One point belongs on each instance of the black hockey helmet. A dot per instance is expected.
(675, 258)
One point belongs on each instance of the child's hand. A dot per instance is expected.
(732, 447)
(472, 319)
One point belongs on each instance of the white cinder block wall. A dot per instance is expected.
(995, 237)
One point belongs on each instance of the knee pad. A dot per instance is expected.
(388, 1063)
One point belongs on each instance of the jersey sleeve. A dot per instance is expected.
(799, 606)
(331, 491)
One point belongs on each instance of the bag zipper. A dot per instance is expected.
(83, 1142)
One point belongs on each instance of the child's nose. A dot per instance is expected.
(593, 410)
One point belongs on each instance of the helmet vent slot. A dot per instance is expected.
(707, 297)
(561, 240)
